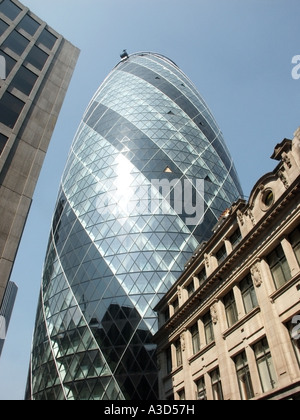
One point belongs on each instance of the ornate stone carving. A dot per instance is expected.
(241, 217)
(179, 292)
(286, 160)
(283, 178)
(214, 313)
(256, 274)
(251, 216)
(182, 340)
(207, 262)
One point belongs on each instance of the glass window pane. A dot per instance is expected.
(16, 43)
(279, 267)
(10, 109)
(10, 62)
(3, 27)
(221, 254)
(3, 141)
(201, 390)
(190, 288)
(217, 385)
(24, 80)
(248, 294)
(265, 366)
(236, 238)
(230, 309)
(29, 25)
(195, 338)
(37, 57)
(9, 9)
(295, 242)
(202, 276)
(244, 377)
(208, 328)
(178, 353)
(47, 39)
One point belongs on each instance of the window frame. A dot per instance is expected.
(230, 309)
(280, 262)
(208, 328)
(295, 244)
(216, 384)
(247, 393)
(195, 335)
(264, 363)
(247, 291)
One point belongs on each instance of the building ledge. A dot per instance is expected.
(285, 287)
(241, 322)
(201, 352)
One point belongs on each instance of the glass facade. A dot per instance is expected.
(112, 254)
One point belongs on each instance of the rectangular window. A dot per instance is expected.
(37, 57)
(208, 328)
(216, 385)
(190, 288)
(3, 27)
(181, 395)
(195, 338)
(9, 9)
(265, 365)
(47, 39)
(230, 309)
(24, 80)
(166, 315)
(9, 62)
(201, 390)
(10, 109)
(3, 141)
(236, 238)
(16, 43)
(175, 305)
(202, 276)
(295, 242)
(169, 360)
(221, 254)
(29, 25)
(244, 377)
(248, 294)
(279, 267)
(178, 353)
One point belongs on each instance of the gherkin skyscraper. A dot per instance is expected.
(123, 230)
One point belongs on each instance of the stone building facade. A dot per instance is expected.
(229, 327)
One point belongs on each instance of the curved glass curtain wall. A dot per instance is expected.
(110, 259)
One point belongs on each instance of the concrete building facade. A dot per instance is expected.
(36, 68)
(229, 327)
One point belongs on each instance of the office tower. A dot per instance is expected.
(36, 64)
(147, 156)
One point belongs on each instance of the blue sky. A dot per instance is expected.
(238, 54)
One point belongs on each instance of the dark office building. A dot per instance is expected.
(36, 65)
